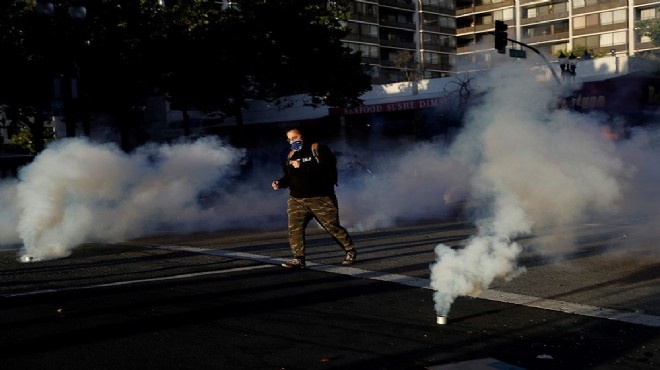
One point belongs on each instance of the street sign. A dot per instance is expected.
(517, 53)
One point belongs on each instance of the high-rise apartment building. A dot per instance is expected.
(407, 39)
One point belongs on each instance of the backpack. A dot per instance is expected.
(315, 152)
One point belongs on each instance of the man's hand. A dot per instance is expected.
(275, 185)
(295, 163)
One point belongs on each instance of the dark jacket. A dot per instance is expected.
(314, 178)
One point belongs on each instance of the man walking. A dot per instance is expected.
(310, 173)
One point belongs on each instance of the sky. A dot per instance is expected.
(528, 167)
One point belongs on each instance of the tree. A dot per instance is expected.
(405, 61)
(25, 73)
(125, 51)
(298, 49)
(124, 61)
(649, 28)
(271, 49)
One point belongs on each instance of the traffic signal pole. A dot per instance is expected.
(501, 38)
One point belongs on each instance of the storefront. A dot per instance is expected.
(415, 119)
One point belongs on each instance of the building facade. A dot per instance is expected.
(404, 40)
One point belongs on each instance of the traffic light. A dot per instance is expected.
(500, 36)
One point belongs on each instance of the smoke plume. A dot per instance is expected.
(535, 168)
(528, 166)
(76, 192)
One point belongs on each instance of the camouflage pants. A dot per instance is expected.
(322, 209)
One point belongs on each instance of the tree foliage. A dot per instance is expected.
(270, 49)
(193, 50)
(649, 28)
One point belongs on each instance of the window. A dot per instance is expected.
(619, 16)
(366, 9)
(592, 20)
(619, 38)
(544, 10)
(606, 18)
(558, 48)
(369, 51)
(579, 22)
(611, 39)
(440, 40)
(403, 18)
(578, 4)
(430, 19)
(432, 58)
(589, 42)
(531, 13)
(368, 30)
(447, 22)
(448, 4)
(504, 14)
(647, 14)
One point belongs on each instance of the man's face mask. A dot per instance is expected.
(297, 145)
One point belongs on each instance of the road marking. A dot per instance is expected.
(129, 282)
(489, 294)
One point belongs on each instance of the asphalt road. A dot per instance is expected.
(220, 301)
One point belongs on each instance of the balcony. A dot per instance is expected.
(399, 44)
(481, 28)
(557, 36)
(437, 10)
(601, 6)
(364, 17)
(646, 2)
(525, 2)
(472, 48)
(400, 4)
(361, 38)
(436, 47)
(598, 29)
(435, 28)
(370, 60)
(407, 26)
(483, 8)
(545, 18)
(644, 45)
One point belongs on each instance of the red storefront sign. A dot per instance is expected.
(392, 107)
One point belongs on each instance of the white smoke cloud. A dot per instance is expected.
(536, 168)
(531, 167)
(76, 191)
(642, 197)
(418, 181)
